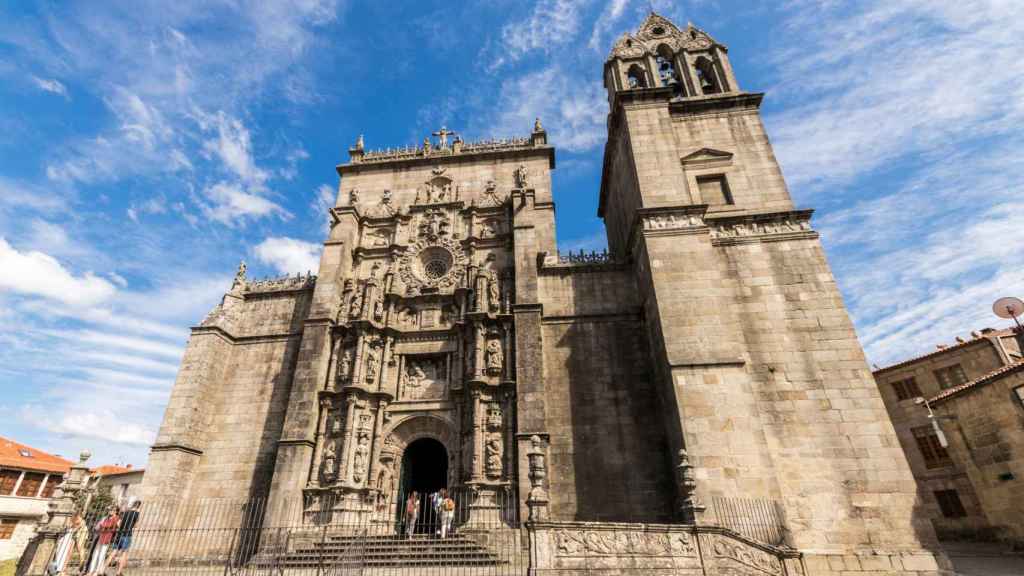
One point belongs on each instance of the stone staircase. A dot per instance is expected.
(392, 551)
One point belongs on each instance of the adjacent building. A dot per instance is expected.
(968, 459)
(124, 482)
(28, 478)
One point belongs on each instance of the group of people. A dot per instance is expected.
(440, 514)
(100, 546)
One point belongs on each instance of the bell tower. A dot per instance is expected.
(764, 388)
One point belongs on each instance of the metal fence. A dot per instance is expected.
(463, 531)
(757, 519)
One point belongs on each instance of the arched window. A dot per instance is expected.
(665, 61)
(706, 76)
(636, 76)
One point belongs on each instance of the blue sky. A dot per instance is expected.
(145, 148)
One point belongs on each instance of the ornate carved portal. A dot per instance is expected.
(421, 347)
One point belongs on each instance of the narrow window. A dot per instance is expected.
(935, 456)
(667, 69)
(30, 484)
(8, 480)
(950, 376)
(636, 76)
(906, 388)
(7, 526)
(714, 190)
(949, 503)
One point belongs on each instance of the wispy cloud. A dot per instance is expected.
(288, 255)
(39, 274)
(51, 85)
(551, 24)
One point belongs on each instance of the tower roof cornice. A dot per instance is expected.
(656, 30)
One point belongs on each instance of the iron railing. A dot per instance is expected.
(757, 519)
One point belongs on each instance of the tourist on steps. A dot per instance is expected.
(412, 508)
(436, 500)
(447, 514)
(123, 540)
(107, 528)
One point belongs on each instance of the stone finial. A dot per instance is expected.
(537, 125)
(84, 455)
(238, 284)
(359, 142)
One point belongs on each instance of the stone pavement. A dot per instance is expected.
(982, 559)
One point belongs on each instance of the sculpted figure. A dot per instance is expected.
(494, 356)
(362, 452)
(356, 308)
(494, 450)
(493, 291)
(372, 361)
(353, 196)
(329, 464)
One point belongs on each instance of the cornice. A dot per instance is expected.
(441, 159)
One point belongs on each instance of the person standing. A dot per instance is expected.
(436, 500)
(73, 541)
(123, 540)
(412, 508)
(106, 529)
(447, 514)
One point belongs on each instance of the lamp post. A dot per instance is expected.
(934, 420)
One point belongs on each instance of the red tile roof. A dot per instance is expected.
(990, 377)
(15, 455)
(113, 470)
(983, 337)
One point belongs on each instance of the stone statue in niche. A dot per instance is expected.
(329, 463)
(493, 291)
(521, 177)
(361, 456)
(424, 378)
(495, 358)
(407, 317)
(356, 306)
(447, 314)
(335, 422)
(385, 481)
(372, 363)
(493, 456)
(378, 308)
(494, 417)
(345, 363)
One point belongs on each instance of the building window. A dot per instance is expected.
(906, 388)
(7, 526)
(30, 484)
(950, 376)
(935, 456)
(636, 76)
(949, 503)
(8, 480)
(1018, 392)
(51, 485)
(706, 76)
(714, 190)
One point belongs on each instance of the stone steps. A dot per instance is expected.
(391, 551)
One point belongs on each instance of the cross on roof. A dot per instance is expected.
(442, 136)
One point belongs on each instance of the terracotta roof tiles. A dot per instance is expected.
(16, 455)
(991, 376)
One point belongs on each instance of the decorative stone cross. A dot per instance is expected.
(442, 136)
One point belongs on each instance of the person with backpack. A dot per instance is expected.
(447, 514)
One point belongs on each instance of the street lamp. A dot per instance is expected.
(935, 420)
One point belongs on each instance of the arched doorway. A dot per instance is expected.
(424, 470)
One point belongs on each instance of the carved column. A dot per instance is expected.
(378, 425)
(357, 361)
(385, 362)
(537, 500)
(321, 439)
(350, 401)
(476, 474)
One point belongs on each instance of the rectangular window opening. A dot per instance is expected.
(30, 484)
(8, 479)
(950, 504)
(906, 388)
(714, 190)
(950, 376)
(935, 456)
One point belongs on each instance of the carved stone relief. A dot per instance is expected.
(623, 542)
(745, 554)
(424, 378)
(495, 357)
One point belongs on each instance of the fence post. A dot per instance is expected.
(61, 508)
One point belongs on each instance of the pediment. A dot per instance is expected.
(707, 156)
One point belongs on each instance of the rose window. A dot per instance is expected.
(435, 263)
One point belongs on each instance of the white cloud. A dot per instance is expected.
(552, 23)
(233, 146)
(573, 112)
(38, 274)
(104, 425)
(51, 85)
(288, 255)
(323, 201)
(231, 205)
(612, 12)
(892, 80)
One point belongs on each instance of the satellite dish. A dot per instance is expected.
(1008, 307)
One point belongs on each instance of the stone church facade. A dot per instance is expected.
(708, 355)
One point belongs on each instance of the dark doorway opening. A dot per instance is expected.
(425, 471)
